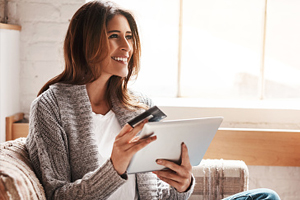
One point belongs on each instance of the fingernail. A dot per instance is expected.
(158, 161)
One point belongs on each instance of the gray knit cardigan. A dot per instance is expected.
(64, 153)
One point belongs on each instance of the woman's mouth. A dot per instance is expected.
(120, 59)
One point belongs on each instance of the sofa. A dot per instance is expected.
(215, 179)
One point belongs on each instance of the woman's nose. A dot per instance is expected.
(126, 45)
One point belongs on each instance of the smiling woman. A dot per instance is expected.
(101, 50)
(79, 141)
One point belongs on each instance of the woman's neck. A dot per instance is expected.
(97, 94)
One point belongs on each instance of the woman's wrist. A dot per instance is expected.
(122, 174)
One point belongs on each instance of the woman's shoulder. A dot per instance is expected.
(64, 90)
(65, 87)
(60, 93)
(44, 101)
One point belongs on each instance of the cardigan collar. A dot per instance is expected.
(122, 113)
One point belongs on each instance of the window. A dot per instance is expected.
(233, 49)
(216, 53)
(221, 51)
(282, 60)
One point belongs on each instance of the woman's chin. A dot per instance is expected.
(123, 74)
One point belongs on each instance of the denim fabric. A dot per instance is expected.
(257, 194)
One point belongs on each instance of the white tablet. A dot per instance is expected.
(197, 134)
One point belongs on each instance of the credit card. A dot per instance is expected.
(153, 114)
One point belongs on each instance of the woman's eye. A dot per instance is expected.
(129, 37)
(113, 36)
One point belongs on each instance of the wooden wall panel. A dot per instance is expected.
(257, 147)
(254, 147)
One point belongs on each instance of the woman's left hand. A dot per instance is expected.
(178, 176)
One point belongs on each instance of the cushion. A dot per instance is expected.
(217, 179)
(17, 178)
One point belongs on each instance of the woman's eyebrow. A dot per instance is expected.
(112, 31)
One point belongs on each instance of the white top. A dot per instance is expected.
(106, 128)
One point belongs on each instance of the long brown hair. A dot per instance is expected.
(86, 44)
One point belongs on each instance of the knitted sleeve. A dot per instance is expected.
(47, 144)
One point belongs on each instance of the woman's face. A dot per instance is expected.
(120, 47)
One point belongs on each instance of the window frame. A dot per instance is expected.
(237, 114)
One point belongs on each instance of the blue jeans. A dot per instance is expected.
(257, 194)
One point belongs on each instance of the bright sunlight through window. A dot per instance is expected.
(219, 50)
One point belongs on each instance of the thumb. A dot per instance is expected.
(185, 159)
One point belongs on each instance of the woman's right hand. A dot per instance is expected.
(126, 145)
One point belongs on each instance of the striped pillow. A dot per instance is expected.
(217, 179)
(17, 178)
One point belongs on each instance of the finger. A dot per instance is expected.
(181, 186)
(136, 146)
(126, 145)
(169, 174)
(134, 131)
(124, 130)
(169, 164)
(171, 182)
(130, 146)
(134, 139)
(185, 159)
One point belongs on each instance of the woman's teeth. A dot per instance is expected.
(119, 59)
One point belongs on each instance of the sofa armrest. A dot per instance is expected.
(17, 178)
(217, 179)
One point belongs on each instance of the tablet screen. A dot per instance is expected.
(197, 134)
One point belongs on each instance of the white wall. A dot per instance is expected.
(284, 180)
(9, 76)
(44, 24)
